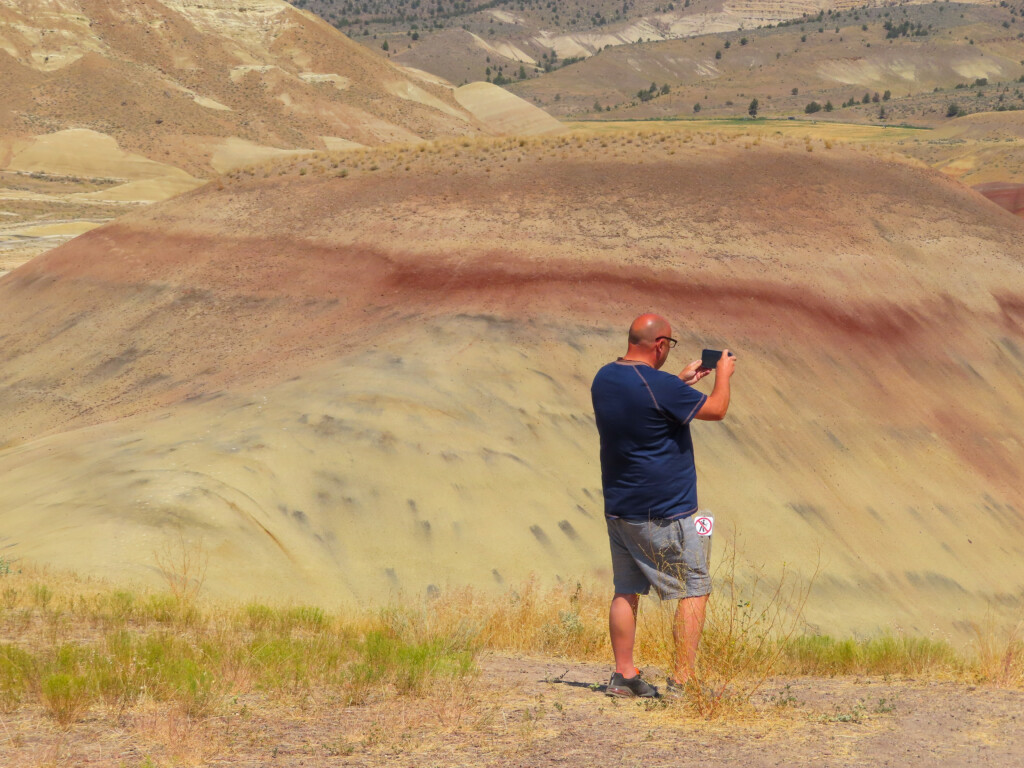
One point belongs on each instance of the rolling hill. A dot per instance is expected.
(199, 87)
(343, 376)
(909, 62)
(523, 40)
(106, 105)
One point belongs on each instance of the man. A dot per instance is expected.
(650, 493)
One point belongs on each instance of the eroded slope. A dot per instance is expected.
(174, 80)
(364, 373)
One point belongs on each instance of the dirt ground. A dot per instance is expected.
(528, 712)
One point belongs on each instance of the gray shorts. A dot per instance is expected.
(666, 554)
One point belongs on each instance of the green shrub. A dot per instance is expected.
(16, 669)
(408, 665)
(65, 696)
(884, 655)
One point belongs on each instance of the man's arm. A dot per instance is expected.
(715, 407)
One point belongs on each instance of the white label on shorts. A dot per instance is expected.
(705, 525)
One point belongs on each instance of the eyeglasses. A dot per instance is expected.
(671, 342)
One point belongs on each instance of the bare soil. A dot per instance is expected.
(545, 712)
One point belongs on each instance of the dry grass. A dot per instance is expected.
(999, 654)
(649, 143)
(754, 632)
(71, 647)
(644, 142)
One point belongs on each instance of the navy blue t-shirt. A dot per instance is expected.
(643, 416)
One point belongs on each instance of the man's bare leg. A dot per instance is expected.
(622, 628)
(687, 631)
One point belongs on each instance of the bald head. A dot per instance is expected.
(649, 340)
(647, 328)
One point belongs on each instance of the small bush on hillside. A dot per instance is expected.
(65, 696)
(813, 107)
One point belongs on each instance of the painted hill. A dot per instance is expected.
(1006, 195)
(346, 375)
(195, 88)
(105, 105)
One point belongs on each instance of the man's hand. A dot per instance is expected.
(693, 373)
(717, 404)
(726, 364)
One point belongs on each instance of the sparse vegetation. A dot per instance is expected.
(124, 649)
(78, 646)
(914, 108)
(885, 655)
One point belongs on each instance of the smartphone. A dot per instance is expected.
(709, 358)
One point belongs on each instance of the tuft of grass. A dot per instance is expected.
(65, 696)
(284, 620)
(16, 669)
(41, 595)
(999, 654)
(889, 654)
(750, 618)
(562, 620)
(408, 665)
(183, 566)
